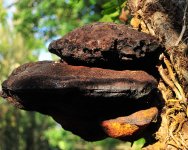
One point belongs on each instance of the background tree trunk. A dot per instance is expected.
(167, 20)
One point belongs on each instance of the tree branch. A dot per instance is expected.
(184, 25)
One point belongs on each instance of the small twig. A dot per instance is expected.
(173, 100)
(177, 143)
(184, 25)
(163, 90)
(183, 141)
(168, 82)
(176, 108)
(174, 145)
(169, 111)
(180, 126)
(167, 63)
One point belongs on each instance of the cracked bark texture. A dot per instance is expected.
(165, 19)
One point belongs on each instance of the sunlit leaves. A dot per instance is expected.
(52, 18)
(3, 13)
(16, 126)
(137, 145)
(111, 11)
(110, 18)
(61, 139)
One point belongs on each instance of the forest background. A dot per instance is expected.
(26, 29)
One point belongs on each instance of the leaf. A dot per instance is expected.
(93, 2)
(109, 4)
(106, 18)
(137, 145)
(109, 10)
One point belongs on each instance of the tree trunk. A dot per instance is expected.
(167, 20)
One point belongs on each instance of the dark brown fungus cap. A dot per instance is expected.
(79, 97)
(107, 45)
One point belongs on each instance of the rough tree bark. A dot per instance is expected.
(167, 20)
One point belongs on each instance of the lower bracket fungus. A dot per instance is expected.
(76, 95)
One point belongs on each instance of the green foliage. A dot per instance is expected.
(22, 130)
(137, 145)
(35, 23)
(111, 11)
(64, 140)
(49, 19)
(52, 18)
(60, 139)
(19, 130)
(3, 13)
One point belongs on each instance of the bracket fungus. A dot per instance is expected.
(86, 99)
(107, 45)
